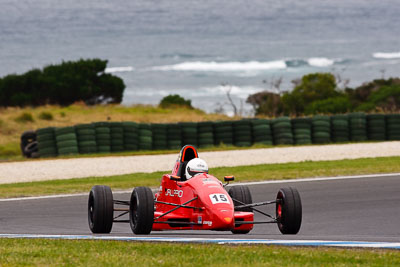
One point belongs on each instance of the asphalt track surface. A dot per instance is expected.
(366, 209)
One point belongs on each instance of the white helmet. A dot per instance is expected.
(195, 166)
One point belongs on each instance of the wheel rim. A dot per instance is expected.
(134, 215)
(91, 209)
(279, 210)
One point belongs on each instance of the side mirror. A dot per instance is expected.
(175, 178)
(229, 178)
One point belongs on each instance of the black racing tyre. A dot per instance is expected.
(288, 211)
(141, 210)
(100, 209)
(240, 195)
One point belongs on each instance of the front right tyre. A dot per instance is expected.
(288, 211)
(141, 210)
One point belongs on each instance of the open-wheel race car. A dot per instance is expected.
(191, 199)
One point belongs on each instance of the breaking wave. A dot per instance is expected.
(249, 66)
(118, 69)
(386, 55)
(223, 66)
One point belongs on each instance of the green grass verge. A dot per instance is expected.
(241, 173)
(18, 252)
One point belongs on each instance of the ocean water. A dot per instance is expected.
(202, 49)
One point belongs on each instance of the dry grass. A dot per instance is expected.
(11, 128)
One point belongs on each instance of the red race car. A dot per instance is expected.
(191, 199)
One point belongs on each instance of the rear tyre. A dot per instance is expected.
(100, 209)
(240, 195)
(141, 211)
(288, 211)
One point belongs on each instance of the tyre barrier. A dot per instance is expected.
(66, 141)
(145, 137)
(242, 135)
(358, 126)
(131, 135)
(376, 127)
(393, 126)
(103, 137)
(340, 131)
(160, 136)
(321, 129)
(47, 145)
(189, 132)
(223, 133)
(301, 131)
(117, 136)
(205, 134)
(282, 131)
(261, 130)
(86, 136)
(106, 137)
(174, 136)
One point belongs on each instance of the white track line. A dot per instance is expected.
(221, 241)
(249, 183)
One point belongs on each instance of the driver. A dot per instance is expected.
(194, 167)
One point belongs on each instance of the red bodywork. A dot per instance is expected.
(208, 205)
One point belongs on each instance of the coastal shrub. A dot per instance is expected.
(313, 87)
(266, 103)
(24, 117)
(47, 116)
(333, 105)
(317, 93)
(175, 101)
(63, 84)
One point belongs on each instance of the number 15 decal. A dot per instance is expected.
(219, 198)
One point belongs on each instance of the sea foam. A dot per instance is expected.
(320, 62)
(118, 69)
(224, 66)
(386, 55)
(248, 68)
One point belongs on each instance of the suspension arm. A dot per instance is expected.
(179, 206)
(256, 204)
(254, 209)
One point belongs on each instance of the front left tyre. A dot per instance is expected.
(100, 209)
(240, 195)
